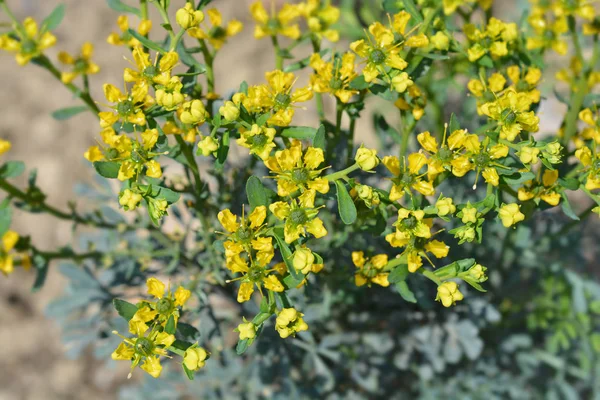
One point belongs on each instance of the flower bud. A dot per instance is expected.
(129, 200)
(303, 260)
(229, 111)
(187, 17)
(510, 214)
(440, 41)
(194, 358)
(208, 145)
(448, 294)
(444, 206)
(366, 158)
(247, 330)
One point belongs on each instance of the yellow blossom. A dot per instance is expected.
(448, 294)
(510, 214)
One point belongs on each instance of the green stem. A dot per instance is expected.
(350, 140)
(57, 255)
(167, 22)
(177, 39)
(405, 136)
(278, 57)
(430, 275)
(42, 206)
(84, 96)
(580, 90)
(342, 173)
(209, 60)
(144, 8)
(193, 165)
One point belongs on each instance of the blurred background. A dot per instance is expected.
(34, 362)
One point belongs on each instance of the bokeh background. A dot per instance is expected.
(34, 363)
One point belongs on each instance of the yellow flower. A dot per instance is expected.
(289, 322)
(320, 16)
(155, 288)
(31, 44)
(208, 145)
(229, 111)
(188, 17)
(182, 295)
(149, 72)
(9, 240)
(295, 171)
(370, 270)
(303, 260)
(129, 107)
(300, 217)
(259, 140)
(129, 200)
(410, 224)
(82, 65)
(218, 34)
(193, 112)
(440, 41)
(511, 111)
(247, 330)
(510, 214)
(125, 38)
(275, 24)
(146, 349)
(469, 214)
(495, 39)
(368, 195)
(169, 96)
(334, 77)
(401, 82)
(408, 176)
(366, 158)
(529, 155)
(194, 358)
(5, 146)
(445, 206)
(448, 294)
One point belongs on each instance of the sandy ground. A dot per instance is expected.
(33, 364)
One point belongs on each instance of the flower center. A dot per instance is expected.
(243, 234)
(336, 83)
(125, 107)
(282, 100)
(150, 71)
(482, 160)
(377, 56)
(410, 222)
(444, 154)
(164, 306)
(217, 32)
(300, 175)
(144, 346)
(258, 140)
(508, 116)
(298, 216)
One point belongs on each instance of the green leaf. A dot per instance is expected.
(412, 9)
(188, 373)
(299, 132)
(53, 20)
(257, 195)
(398, 274)
(170, 326)
(433, 56)
(346, 206)
(319, 139)
(569, 183)
(566, 207)
(518, 177)
(286, 254)
(405, 292)
(146, 42)
(66, 113)
(107, 169)
(12, 169)
(118, 5)
(222, 152)
(41, 265)
(453, 125)
(486, 61)
(475, 285)
(124, 308)
(187, 331)
(241, 347)
(159, 192)
(5, 218)
(189, 60)
(359, 83)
